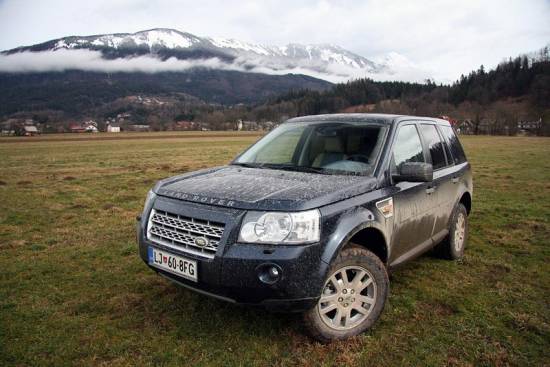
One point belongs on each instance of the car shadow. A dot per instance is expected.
(201, 317)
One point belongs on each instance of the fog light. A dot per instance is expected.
(269, 273)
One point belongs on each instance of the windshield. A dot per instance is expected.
(327, 148)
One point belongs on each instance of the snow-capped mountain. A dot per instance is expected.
(329, 62)
(153, 39)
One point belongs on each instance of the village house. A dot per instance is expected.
(30, 130)
(88, 126)
(26, 128)
(77, 128)
(19, 127)
(91, 126)
(113, 127)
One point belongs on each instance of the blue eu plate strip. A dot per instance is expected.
(150, 254)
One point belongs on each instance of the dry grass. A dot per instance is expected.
(73, 290)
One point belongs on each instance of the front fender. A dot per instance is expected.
(349, 224)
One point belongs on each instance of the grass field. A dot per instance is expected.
(74, 292)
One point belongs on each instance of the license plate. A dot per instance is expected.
(173, 263)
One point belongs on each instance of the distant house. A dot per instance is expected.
(30, 130)
(19, 127)
(77, 128)
(90, 126)
(113, 128)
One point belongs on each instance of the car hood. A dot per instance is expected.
(263, 189)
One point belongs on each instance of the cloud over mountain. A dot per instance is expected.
(161, 50)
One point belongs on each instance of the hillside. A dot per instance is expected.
(77, 93)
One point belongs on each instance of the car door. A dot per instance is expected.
(457, 167)
(413, 203)
(443, 187)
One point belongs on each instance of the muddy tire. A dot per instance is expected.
(452, 247)
(353, 297)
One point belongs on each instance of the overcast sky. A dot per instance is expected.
(446, 37)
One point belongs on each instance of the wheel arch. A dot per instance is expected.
(372, 239)
(466, 200)
(362, 229)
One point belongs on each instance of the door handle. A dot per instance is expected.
(430, 190)
(455, 179)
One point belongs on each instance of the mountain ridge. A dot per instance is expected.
(325, 61)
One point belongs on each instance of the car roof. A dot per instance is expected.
(363, 117)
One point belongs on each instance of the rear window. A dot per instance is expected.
(435, 145)
(454, 144)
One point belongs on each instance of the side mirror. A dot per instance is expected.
(415, 172)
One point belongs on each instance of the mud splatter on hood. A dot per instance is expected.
(263, 189)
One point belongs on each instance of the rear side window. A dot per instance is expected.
(407, 147)
(435, 145)
(456, 149)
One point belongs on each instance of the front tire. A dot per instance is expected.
(353, 297)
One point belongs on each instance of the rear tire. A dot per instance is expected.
(452, 247)
(353, 297)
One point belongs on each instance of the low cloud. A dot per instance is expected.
(88, 60)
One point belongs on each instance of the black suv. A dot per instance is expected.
(313, 216)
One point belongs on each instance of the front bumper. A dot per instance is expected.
(234, 273)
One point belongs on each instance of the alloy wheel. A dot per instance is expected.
(348, 298)
(460, 232)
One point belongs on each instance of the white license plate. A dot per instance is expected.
(173, 263)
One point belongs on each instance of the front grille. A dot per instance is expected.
(195, 236)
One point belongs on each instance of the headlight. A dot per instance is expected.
(284, 228)
(150, 196)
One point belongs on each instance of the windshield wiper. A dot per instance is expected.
(291, 167)
(319, 170)
(248, 165)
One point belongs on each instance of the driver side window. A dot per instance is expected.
(407, 147)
